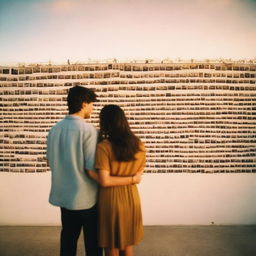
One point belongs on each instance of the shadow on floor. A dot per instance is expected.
(158, 241)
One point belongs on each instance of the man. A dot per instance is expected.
(71, 146)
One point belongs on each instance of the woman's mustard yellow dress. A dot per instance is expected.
(120, 218)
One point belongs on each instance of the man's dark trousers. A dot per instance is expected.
(72, 223)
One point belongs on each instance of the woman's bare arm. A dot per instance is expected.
(106, 180)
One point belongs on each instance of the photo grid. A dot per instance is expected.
(194, 116)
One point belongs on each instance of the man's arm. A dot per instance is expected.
(89, 148)
(106, 180)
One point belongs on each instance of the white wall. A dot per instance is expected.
(167, 199)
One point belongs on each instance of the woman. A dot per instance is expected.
(120, 154)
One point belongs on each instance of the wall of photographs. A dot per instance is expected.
(194, 117)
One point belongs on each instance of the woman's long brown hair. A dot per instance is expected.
(115, 127)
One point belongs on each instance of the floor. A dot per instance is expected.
(158, 241)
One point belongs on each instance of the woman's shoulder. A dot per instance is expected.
(142, 146)
(104, 144)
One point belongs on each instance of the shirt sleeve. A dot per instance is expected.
(48, 153)
(102, 158)
(89, 148)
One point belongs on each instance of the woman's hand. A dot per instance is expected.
(93, 175)
(137, 177)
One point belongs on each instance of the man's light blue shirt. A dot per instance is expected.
(71, 146)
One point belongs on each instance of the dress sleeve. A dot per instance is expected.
(143, 149)
(102, 161)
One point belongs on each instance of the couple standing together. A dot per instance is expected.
(111, 214)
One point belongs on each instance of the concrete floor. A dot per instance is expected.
(158, 241)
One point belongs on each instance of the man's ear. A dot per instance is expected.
(84, 105)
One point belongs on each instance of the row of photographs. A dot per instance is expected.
(159, 96)
(148, 170)
(174, 83)
(145, 66)
(131, 75)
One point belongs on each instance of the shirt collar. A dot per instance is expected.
(69, 117)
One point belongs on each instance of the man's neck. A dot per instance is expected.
(78, 114)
